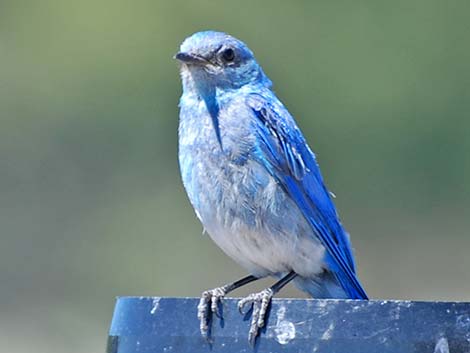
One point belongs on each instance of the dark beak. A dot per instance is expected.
(190, 58)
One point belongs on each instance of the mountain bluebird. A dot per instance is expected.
(254, 182)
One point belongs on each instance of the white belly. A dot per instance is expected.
(263, 253)
(262, 230)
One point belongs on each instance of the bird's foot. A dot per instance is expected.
(260, 304)
(208, 305)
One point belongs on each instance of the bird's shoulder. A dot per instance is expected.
(280, 141)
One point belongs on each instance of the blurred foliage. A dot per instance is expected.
(91, 202)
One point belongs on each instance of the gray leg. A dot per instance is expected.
(260, 304)
(210, 300)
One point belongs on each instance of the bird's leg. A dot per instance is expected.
(260, 304)
(210, 300)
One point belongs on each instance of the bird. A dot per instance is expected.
(254, 182)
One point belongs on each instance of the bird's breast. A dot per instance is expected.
(220, 179)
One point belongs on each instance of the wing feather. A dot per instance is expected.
(283, 150)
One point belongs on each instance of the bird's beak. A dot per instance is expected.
(190, 58)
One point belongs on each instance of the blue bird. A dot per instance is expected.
(254, 183)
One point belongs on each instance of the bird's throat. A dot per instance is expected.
(197, 80)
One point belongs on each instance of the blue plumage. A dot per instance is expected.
(251, 177)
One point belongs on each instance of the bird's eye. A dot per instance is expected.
(228, 55)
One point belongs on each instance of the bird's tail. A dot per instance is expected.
(323, 286)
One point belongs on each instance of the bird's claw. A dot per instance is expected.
(208, 305)
(260, 304)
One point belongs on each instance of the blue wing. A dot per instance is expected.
(284, 152)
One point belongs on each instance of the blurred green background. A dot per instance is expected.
(91, 203)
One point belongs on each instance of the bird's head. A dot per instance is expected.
(218, 60)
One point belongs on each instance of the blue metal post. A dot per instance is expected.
(351, 326)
